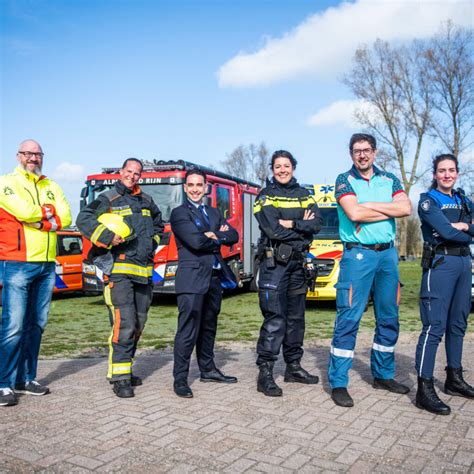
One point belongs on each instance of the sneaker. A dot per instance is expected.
(32, 388)
(7, 397)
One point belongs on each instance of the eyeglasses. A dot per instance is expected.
(29, 154)
(365, 151)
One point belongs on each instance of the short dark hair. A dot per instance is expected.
(362, 137)
(192, 171)
(133, 159)
(283, 154)
(436, 160)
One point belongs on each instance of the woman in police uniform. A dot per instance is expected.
(288, 217)
(445, 297)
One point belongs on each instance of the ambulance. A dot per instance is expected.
(326, 248)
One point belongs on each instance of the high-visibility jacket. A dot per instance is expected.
(27, 198)
(289, 202)
(133, 258)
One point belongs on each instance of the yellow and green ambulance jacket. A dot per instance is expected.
(27, 198)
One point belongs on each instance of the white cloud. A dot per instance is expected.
(68, 172)
(324, 43)
(340, 112)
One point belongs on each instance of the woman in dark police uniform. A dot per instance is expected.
(445, 297)
(288, 217)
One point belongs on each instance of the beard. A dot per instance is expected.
(37, 170)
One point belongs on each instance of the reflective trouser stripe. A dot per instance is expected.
(380, 348)
(342, 352)
(121, 368)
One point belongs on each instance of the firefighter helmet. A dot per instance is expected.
(116, 224)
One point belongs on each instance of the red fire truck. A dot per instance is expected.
(163, 180)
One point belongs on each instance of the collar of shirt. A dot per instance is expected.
(355, 172)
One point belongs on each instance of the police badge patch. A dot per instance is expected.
(425, 205)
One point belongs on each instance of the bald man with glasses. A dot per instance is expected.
(32, 209)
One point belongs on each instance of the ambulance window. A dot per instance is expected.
(69, 245)
(223, 201)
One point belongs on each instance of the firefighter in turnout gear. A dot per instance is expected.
(445, 293)
(288, 217)
(127, 262)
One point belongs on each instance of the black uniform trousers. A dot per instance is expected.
(282, 298)
(128, 303)
(197, 326)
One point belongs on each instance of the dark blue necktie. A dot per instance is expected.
(204, 213)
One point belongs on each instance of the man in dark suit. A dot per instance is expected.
(199, 231)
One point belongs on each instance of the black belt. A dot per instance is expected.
(457, 251)
(376, 247)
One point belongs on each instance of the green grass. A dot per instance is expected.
(79, 326)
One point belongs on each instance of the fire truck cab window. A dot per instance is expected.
(223, 201)
(69, 245)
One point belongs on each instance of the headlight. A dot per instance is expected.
(171, 270)
(88, 268)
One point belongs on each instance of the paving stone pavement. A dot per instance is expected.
(82, 426)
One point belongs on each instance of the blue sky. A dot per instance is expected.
(98, 81)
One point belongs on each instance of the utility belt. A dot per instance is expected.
(282, 253)
(456, 251)
(429, 252)
(376, 247)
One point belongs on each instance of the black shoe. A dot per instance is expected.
(7, 397)
(32, 388)
(390, 385)
(266, 383)
(216, 375)
(456, 385)
(427, 398)
(182, 389)
(295, 373)
(340, 396)
(136, 381)
(123, 388)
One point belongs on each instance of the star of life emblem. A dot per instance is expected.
(359, 256)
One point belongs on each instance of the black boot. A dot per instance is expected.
(123, 388)
(456, 385)
(427, 398)
(295, 373)
(266, 384)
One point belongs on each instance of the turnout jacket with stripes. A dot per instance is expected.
(134, 257)
(289, 202)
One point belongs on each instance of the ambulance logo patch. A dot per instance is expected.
(50, 195)
(425, 205)
(359, 256)
(8, 191)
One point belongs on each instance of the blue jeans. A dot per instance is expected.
(26, 297)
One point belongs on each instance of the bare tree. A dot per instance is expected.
(248, 162)
(447, 63)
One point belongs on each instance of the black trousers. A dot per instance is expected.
(197, 325)
(282, 298)
(128, 303)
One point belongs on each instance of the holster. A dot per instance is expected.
(427, 256)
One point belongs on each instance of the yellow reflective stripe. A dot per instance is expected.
(283, 202)
(157, 239)
(131, 269)
(122, 368)
(122, 212)
(108, 297)
(146, 212)
(97, 233)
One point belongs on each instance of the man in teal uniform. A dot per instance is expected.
(369, 200)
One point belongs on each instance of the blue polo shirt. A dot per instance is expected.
(381, 187)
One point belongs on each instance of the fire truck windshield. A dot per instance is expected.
(330, 227)
(166, 196)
